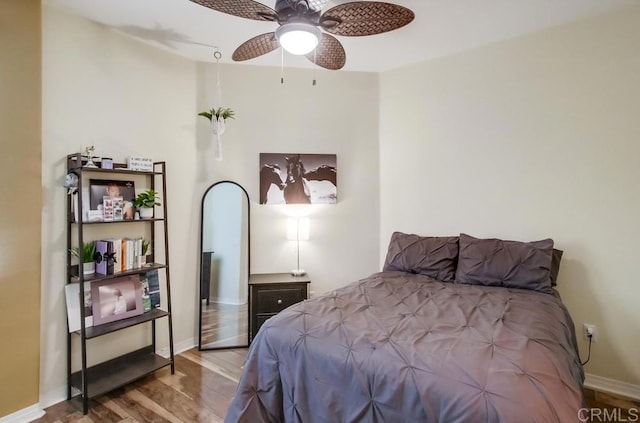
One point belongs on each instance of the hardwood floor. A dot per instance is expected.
(224, 325)
(203, 386)
(199, 391)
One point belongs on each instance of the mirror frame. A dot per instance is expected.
(199, 293)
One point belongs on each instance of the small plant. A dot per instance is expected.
(88, 252)
(225, 113)
(145, 247)
(146, 199)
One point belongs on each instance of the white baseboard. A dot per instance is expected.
(25, 415)
(179, 347)
(602, 384)
(53, 397)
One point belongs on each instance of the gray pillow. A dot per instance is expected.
(512, 264)
(431, 256)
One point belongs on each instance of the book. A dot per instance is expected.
(117, 254)
(77, 217)
(101, 257)
(105, 257)
(123, 254)
(151, 281)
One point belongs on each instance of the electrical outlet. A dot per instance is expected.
(589, 330)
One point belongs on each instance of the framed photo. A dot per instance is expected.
(116, 299)
(122, 191)
(298, 178)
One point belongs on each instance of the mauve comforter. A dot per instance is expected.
(397, 347)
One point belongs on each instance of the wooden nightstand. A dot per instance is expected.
(270, 293)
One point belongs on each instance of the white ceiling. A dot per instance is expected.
(441, 27)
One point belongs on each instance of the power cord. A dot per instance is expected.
(590, 336)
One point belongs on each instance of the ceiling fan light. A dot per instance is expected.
(298, 38)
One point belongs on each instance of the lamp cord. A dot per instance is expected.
(589, 353)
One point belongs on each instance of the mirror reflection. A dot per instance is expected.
(224, 270)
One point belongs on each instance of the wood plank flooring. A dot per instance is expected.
(203, 386)
(224, 325)
(199, 391)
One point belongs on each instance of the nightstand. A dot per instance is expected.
(270, 293)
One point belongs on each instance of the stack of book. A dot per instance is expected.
(116, 255)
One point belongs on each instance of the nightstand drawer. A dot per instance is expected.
(274, 300)
(261, 318)
(270, 293)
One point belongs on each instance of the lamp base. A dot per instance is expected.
(298, 272)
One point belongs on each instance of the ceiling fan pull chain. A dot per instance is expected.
(314, 68)
(282, 66)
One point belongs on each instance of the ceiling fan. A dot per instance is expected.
(301, 24)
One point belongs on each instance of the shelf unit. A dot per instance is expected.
(121, 370)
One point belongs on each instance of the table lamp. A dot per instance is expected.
(298, 230)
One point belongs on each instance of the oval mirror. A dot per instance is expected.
(224, 267)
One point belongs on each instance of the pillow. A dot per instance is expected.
(512, 264)
(555, 266)
(430, 256)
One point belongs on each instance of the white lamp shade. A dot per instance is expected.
(298, 229)
(298, 38)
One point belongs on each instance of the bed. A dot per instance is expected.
(416, 343)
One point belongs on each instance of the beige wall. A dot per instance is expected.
(128, 98)
(534, 137)
(338, 116)
(125, 98)
(20, 138)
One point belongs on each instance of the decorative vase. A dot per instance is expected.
(89, 268)
(146, 212)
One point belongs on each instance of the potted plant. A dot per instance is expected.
(144, 203)
(217, 118)
(145, 250)
(220, 112)
(88, 257)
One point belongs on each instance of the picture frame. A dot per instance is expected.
(116, 299)
(298, 178)
(123, 191)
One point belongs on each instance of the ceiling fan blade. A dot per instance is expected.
(314, 5)
(243, 8)
(365, 18)
(329, 53)
(257, 46)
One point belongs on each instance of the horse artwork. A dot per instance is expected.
(298, 178)
(269, 175)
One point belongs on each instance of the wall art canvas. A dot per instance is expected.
(298, 178)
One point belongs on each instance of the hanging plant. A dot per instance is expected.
(225, 113)
(217, 117)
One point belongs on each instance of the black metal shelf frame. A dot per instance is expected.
(119, 371)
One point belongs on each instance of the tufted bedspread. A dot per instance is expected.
(397, 347)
